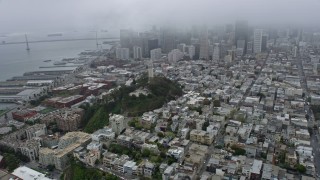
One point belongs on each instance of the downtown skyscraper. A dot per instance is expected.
(204, 44)
(241, 34)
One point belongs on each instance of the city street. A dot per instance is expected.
(311, 121)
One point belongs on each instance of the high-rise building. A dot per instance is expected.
(190, 51)
(229, 28)
(137, 52)
(181, 47)
(155, 54)
(232, 53)
(117, 123)
(249, 48)
(210, 50)
(257, 40)
(175, 55)
(153, 44)
(241, 32)
(150, 70)
(197, 51)
(122, 53)
(264, 43)
(241, 44)
(216, 52)
(295, 51)
(126, 38)
(204, 44)
(168, 40)
(144, 38)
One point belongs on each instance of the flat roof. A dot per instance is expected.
(256, 167)
(26, 92)
(26, 173)
(40, 81)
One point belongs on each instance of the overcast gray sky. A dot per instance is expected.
(60, 15)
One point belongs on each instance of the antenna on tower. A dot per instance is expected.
(27, 43)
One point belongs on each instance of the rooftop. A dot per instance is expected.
(26, 173)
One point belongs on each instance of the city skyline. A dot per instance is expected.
(159, 90)
(36, 15)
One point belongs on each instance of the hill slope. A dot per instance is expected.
(160, 90)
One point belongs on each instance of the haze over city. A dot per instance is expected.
(61, 15)
(159, 90)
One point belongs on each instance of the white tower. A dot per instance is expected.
(257, 40)
(150, 70)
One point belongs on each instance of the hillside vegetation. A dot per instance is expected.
(160, 90)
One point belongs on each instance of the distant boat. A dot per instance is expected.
(104, 30)
(47, 60)
(59, 63)
(55, 34)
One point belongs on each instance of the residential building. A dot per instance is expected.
(155, 54)
(201, 136)
(67, 144)
(122, 53)
(137, 52)
(175, 55)
(117, 123)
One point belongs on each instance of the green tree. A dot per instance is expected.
(216, 103)
(146, 153)
(300, 168)
(160, 134)
(11, 162)
(237, 150)
(170, 134)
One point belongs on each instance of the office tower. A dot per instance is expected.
(197, 51)
(210, 51)
(295, 51)
(155, 54)
(241, 44)
(195, 32)
(257, 40)
(223, 49)
(249, 48)
(122, 53)
(153, 44)
(126, 38)
(181, 47)
(232, 53)
(229, 28)
(190, 51)
(117, 123)
(204, 44)
(175, 55)
(241, 33)
(264, 43)
(216, 52)
(137, 52)
(144, 38)
(168, 40)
